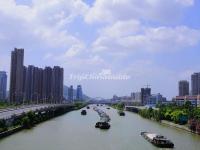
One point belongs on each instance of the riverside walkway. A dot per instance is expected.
(9, 112)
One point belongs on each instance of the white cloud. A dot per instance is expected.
(58, 12)
(132, 36)
(48, 56)
(122, 28)
(164, 39)
(186, 2)
(9, 8)
(41, 23)
(96, 60)
(151, 10)
(74, 50)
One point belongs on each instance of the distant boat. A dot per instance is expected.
(121, 113)
(157, 140)
(83, 112)
(102, 125)
(108, 107)
(97, 124)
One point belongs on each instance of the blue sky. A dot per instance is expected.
(156, 42)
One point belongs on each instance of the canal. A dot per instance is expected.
(75, 132)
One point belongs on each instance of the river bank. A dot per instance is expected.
(167, 123)
(174, 125)
(11, 131)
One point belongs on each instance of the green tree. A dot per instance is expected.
(3, 125)
(32, 117)
(120, 106)
(26, 123)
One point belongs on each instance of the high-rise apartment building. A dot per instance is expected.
(133, 95)
(37, 85)
(57, 84)
(17, 76)
(3, 85)
(24, 82)
(29, 84)
(183, 88)
(71, 93)
(47, 84)
(138, 97)
(195, 83)
(145, 94)
(79, 93)
(44, 85)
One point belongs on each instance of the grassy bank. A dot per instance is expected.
(118, 106)
(79, 105)
(185, 116)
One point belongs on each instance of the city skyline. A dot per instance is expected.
(152, 46)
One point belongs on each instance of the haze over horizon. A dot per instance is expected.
(156, 42)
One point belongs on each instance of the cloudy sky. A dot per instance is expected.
(156, 42)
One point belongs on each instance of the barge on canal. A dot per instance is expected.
(104, 119)
(83, 112)
(157, 140)
(102, 125)
(121, 113)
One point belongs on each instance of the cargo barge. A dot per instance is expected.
(157, 140)
(83, 112)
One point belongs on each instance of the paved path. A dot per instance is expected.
(8, 113)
